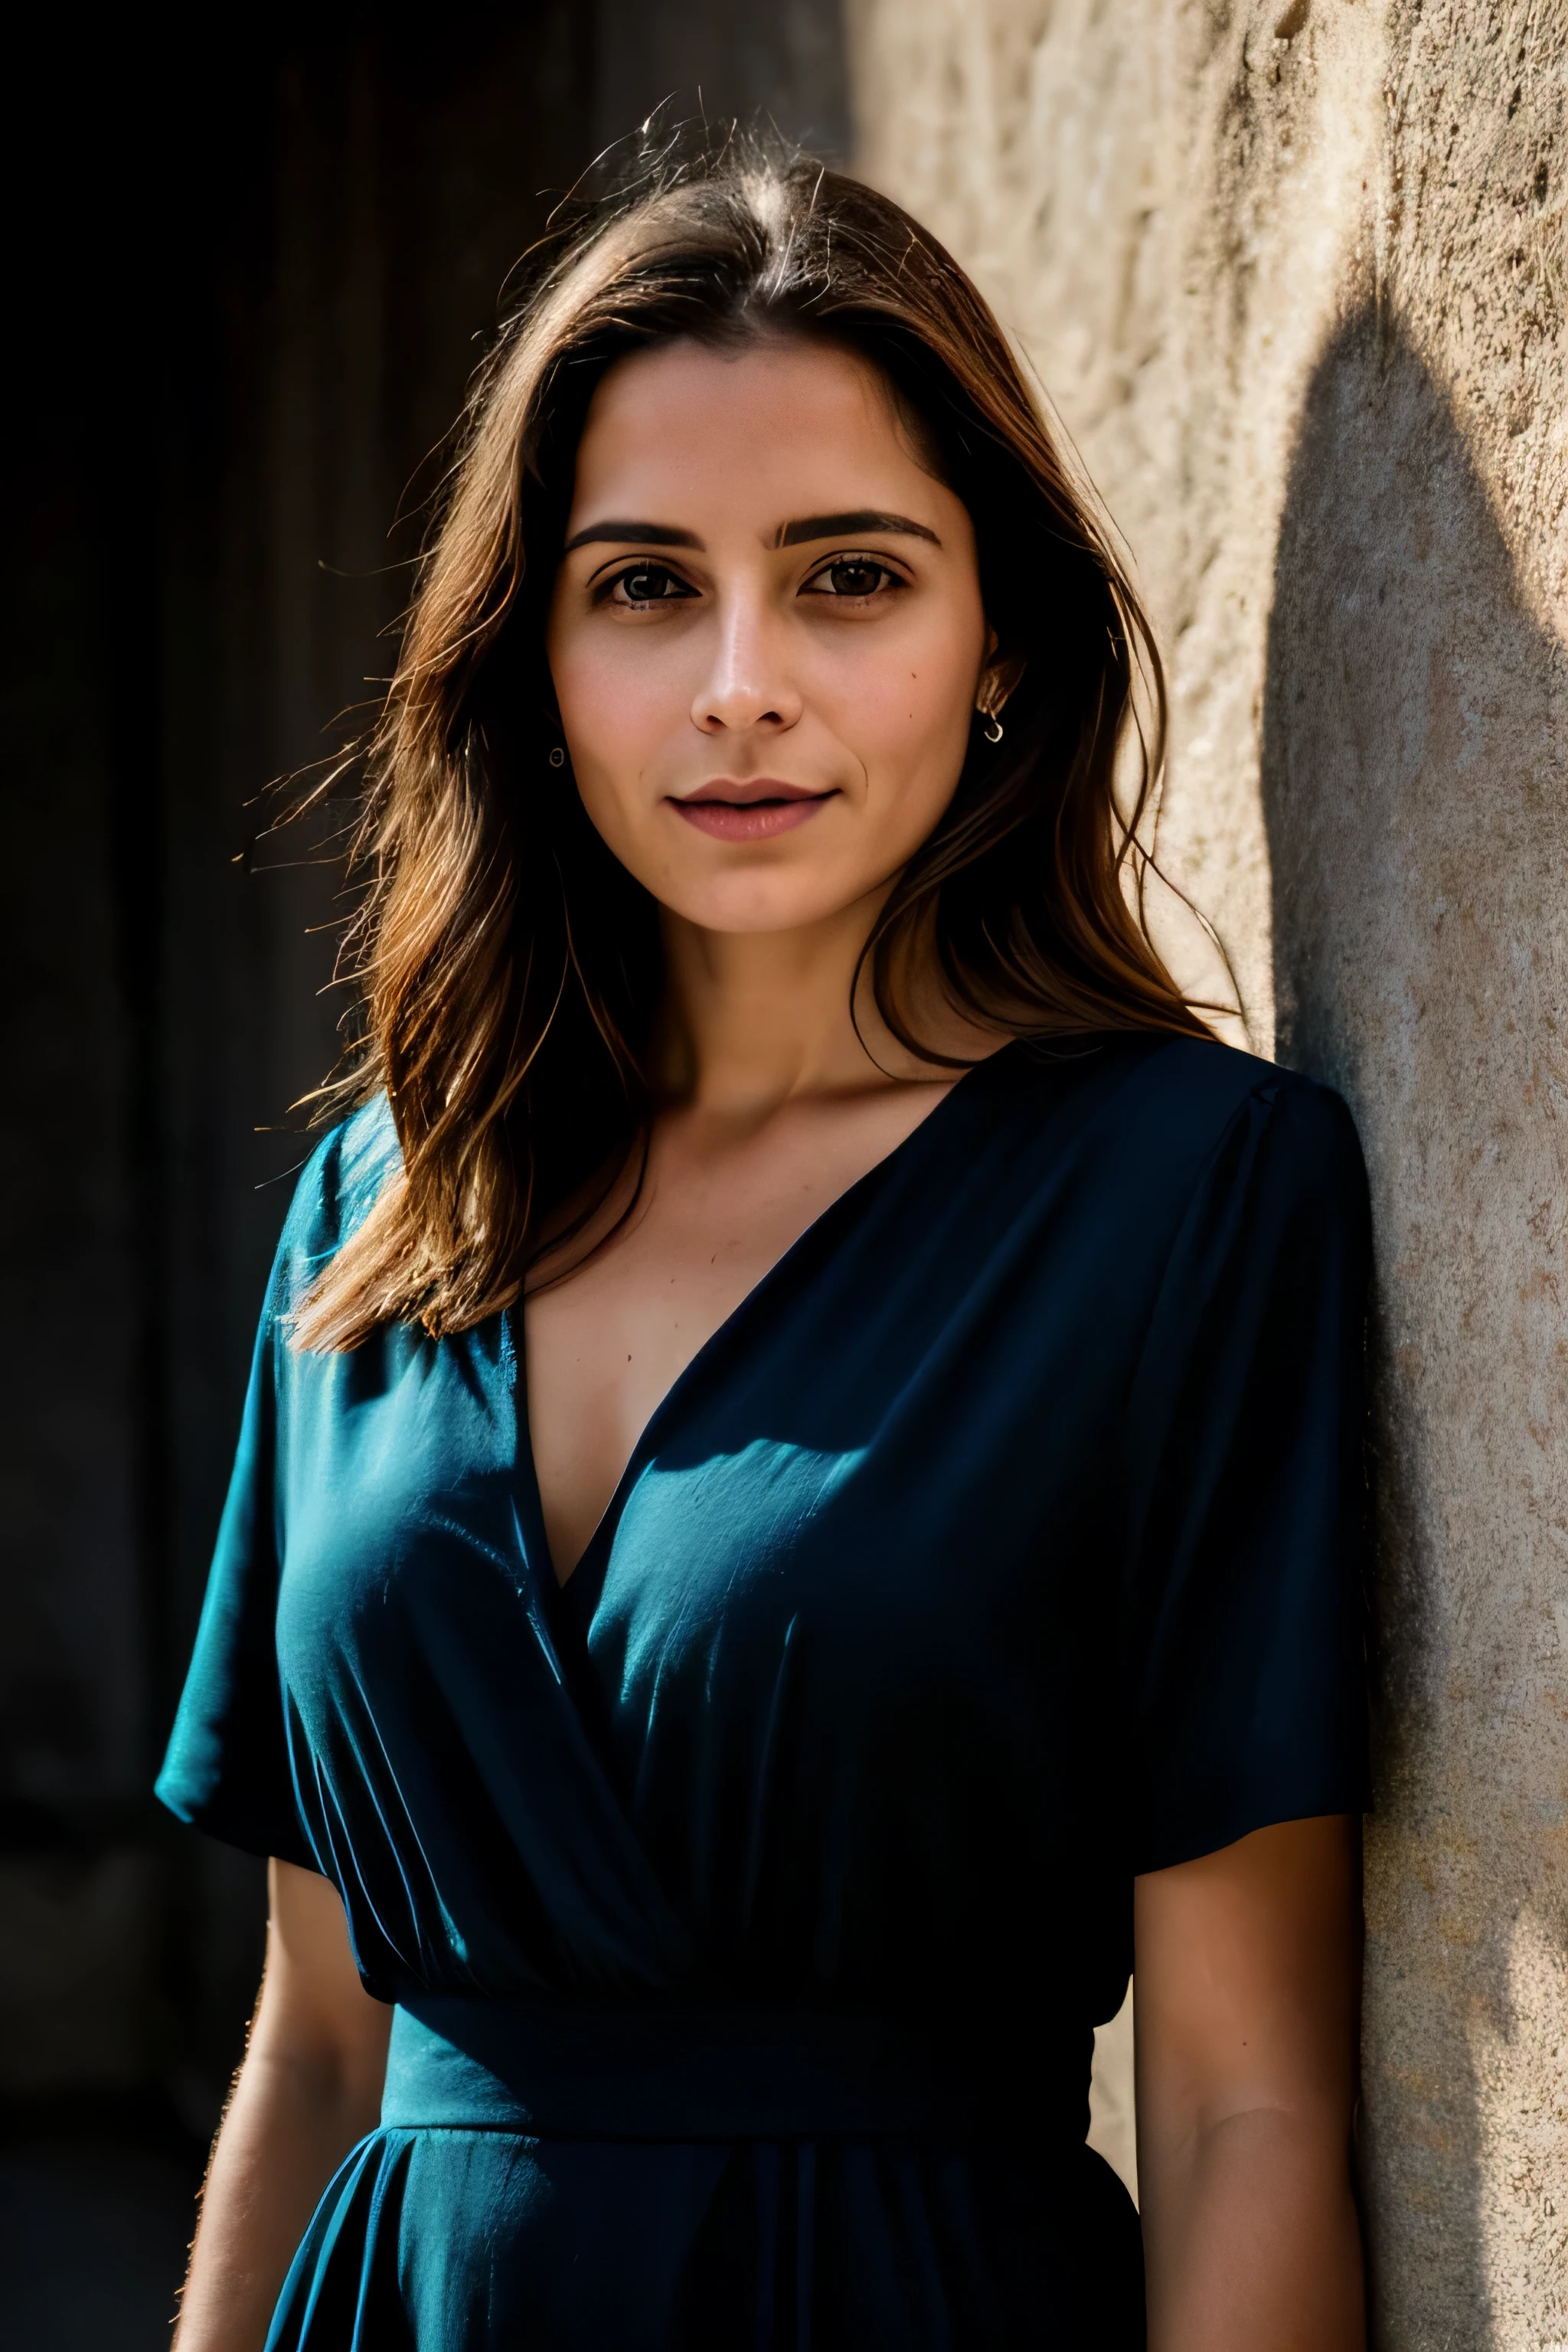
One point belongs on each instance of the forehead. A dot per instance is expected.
(776, 415)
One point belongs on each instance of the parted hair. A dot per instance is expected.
(509, 970)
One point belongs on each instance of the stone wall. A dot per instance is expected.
(1294, 276)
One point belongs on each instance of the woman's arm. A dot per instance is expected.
(310, 2087)
(1248, 1987)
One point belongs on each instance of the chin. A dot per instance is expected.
(762, 902)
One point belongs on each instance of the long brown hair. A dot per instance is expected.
(509, 969)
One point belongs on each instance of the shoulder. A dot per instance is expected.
(1183, 1110)
(338, 1187)
(1202, 1089)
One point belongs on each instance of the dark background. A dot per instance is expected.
(250, 268)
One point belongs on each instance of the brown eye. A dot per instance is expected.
(852, 575)
(651, 583)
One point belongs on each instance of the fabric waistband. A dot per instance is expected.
(667, 2072)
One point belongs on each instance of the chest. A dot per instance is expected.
(884, 1477)
(871, 1531)
(715, 1212)
(817, 1686)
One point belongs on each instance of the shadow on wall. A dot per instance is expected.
(1416, 840)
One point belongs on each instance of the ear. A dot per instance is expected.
(998, 680)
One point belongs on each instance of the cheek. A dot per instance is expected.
(617, 714)
(611, 708)
(908, 715)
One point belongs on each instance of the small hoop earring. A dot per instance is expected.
(557, 756)
(993, 729)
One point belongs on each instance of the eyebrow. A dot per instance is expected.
(639, 534)
(849, 526)
(790, 534)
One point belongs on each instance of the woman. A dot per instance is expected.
(797, 1508)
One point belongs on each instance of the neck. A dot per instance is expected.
(754, 1018)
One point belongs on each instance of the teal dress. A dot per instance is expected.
(749, 1905)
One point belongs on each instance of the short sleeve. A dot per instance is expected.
(227, 1769)
(1243, 1619)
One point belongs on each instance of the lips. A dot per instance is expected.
(755, 811)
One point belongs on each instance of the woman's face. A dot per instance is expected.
(766, 635)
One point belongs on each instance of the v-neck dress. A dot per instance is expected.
(749, 1903)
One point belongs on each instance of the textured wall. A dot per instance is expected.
(1294, 276)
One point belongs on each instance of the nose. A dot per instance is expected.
(749, 683)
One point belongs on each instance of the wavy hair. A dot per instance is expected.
(509, 969)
